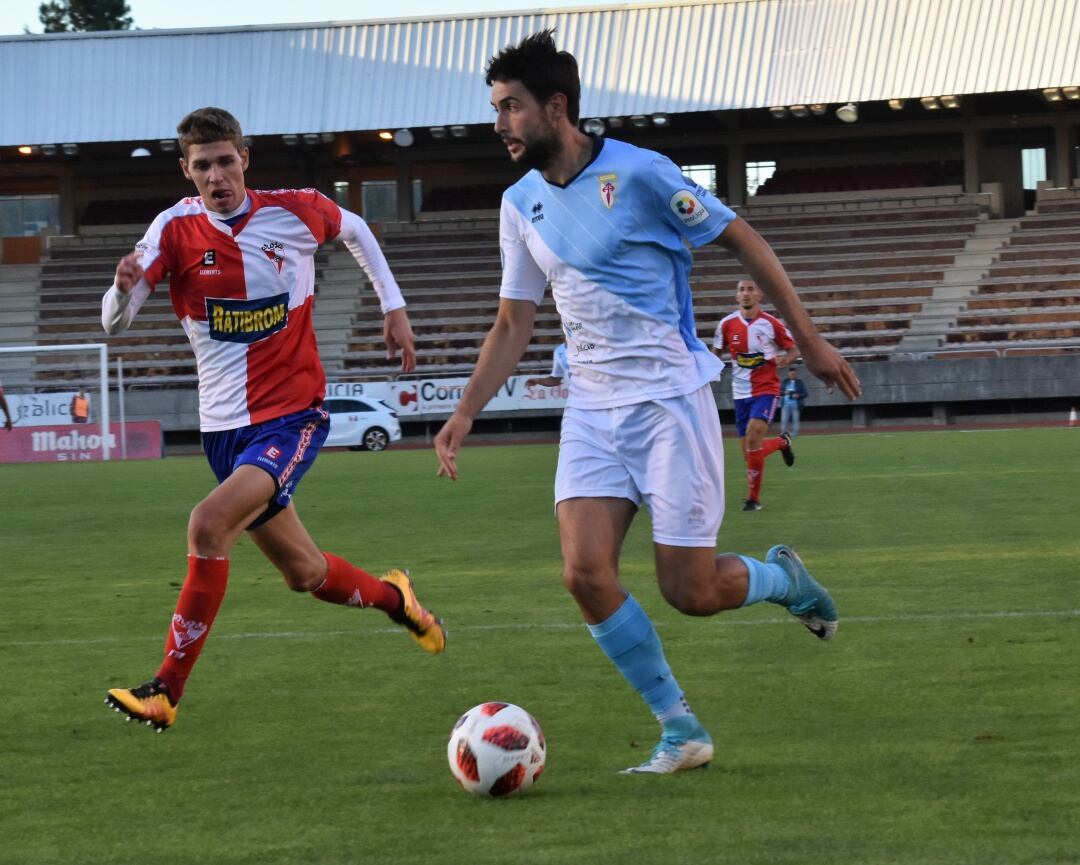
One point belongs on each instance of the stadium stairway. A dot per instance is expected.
(958, 283)
(1029, 300)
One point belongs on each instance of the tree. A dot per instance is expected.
(61, 16)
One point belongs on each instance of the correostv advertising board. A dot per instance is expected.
(441, 395)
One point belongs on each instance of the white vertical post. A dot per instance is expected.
(120, 397)
(103, 358)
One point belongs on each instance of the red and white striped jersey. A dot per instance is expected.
(244, 296)
(753, 346)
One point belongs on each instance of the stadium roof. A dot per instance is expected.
(635, 59)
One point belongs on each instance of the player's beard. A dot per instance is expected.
(542, 150)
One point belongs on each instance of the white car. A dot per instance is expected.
(361, 423)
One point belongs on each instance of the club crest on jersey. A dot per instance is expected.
(688, 208)
(246, 321)
(607, 190)
(275, 251)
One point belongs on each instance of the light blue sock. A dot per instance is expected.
(630, 640)
(768, 582)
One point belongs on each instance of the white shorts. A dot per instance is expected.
(666, 453)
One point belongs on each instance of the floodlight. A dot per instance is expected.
(930, 103)
(660, 119)
(1052, 94)
(639, 120)
(818, 108)
(1072, 92)
(799, 111)
(459, 131)
(438, 131)
(404, 138)
(897, 104)
(594, 126)
(848, 113)
(140, 152)
(950, 101)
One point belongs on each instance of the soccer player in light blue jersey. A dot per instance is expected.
(606, 224)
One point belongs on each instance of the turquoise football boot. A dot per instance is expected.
(807, 600)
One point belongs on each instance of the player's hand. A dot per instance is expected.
(447, 444)
(129, 271)
(826, 362)
(398, 333)
(8, 425)
(532, 382)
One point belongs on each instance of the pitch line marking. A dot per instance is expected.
(566, 626)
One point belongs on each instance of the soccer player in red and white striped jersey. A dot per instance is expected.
(758, 344)
(241, 271)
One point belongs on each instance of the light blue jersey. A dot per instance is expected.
(612, 245)
(560, 367)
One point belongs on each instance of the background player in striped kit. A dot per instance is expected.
(758, 344)
(605, 223)
(241, 274)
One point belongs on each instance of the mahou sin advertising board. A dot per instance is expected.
(79, 443)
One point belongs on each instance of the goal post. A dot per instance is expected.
(16, 378)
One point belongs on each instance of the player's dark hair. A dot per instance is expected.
(207, 125)
(542, 68)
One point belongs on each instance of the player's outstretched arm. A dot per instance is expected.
(128, 292)
(546, 381)
(505, 344)
(398, 333)
(761, 263)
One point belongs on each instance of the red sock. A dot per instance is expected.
(755, 471)
(771, 446)
(200, 599)
(347, 584)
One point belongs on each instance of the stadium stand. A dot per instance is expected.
(867, 275)
(864, 274)
(899, 175)
(1029, 303)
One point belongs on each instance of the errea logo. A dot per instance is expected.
(688, 208)
(538, 211)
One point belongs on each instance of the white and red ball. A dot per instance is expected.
(496, 749)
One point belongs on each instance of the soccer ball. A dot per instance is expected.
(496, 749)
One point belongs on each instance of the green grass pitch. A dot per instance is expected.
(939, 728)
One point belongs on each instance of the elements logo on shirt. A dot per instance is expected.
(246, 321)
(688, 208)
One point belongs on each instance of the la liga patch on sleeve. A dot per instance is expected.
(688, 208)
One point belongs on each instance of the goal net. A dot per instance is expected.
(58, 400)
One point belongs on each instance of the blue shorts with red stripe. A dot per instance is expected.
(746, 410)
(285, 448)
